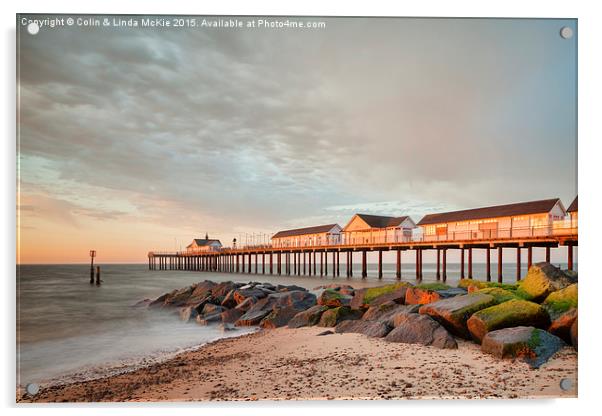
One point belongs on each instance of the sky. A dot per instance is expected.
(139, 139)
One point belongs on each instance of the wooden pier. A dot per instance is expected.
(304, 260)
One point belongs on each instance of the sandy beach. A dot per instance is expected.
(297, 364)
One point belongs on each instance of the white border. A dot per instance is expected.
(589, 151)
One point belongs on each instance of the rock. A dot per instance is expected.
(395, 318)
(240, 295)
(453, 313)
(207, 319)
(299, 299)
(561, 301)
(308, 317)
(231, 315)
(187, 313)
(500, 295)
(543, 279)
(562, 326)
(226, 327)
(246, 304)
(210, 308)
(321, 334)
(222, 289)
(202, 289)
(421, 329)
(374, 329)
(505, 315)
(333, 299)
(141, 304)
(364, 298)
(229, 301)
(344, 289)
(160, 301)
(416, 296)
(466, 283)
(532, 345)
(279, 317)
(384, 310)
(178, 297)
(251, 318)
(574, 334)
(333, 316)
(289, 288)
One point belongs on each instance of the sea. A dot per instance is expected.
(69, 330)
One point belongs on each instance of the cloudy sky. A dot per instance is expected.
(134, 139)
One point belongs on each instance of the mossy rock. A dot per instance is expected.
(333, 298)
(543, 279)
(561, 301)
(374, 292)
(500, 295)
(505, 315)
(433, 286)
(453, 313)
(333, 316)
(479, 284)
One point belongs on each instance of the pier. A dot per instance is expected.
(304, 259)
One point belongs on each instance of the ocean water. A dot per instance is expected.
(68, 329)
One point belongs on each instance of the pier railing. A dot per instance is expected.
(559, 229)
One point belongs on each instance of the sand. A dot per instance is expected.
(297, 364)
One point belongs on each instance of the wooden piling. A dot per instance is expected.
(518, 264)
(488, 260)
(444, 276)
(97, 275)
(529, 257)
(470, 262)
(380, 264)
(499, 264)
(364, 265)
(547, 254)
(569, 257)
(462, 263)
(438, 275)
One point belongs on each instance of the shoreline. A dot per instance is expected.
(297, 364)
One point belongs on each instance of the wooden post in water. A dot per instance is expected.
(518, 264)
(444, 277)
(350, 263)
(92, 255)
(364, 265)
(570, 257)
(547, 254)
(462, 263)
(398, 265)
(529, 257)
(271, 264)
(380, 264)
(470, 262)
(304, 267)
(499, 264)
(97, 275)
(325, 263)
(315, 267)
(417, 264)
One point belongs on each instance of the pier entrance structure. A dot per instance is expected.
(520, 227)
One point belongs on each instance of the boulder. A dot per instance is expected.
(505, 315)
(574, 334)
(251, 317)
(141, 304)
(178, 297)
(207, 319)
(231, 315)
(374, 329)
(308, 317)
(417, 296)
(246, 304)
(421, 329)
(334, 286)
(210, 308)
(500, 295)
(240, 295)
(364, 298)
(561, 326)
(532, 345)
(299, 299)
(201, 289)
(333, 316)
(333, 299)
(187, 313)
(160, 301)
(229, 301)
(466, 283)
(289, 288)
(385, 310)
(561, 301)
(395, 318)
(222, 289)
(226, 327)
(543, 279)
(453, 313)
(280, 316)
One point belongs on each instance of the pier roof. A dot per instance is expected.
(521, 208)
(379, 221)
(573, 206)
(307, 230)
(205, 241)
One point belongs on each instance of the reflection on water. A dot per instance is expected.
(65, 324)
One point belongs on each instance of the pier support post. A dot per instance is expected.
(309, 263)
(488, 260)
(304, 267)
(470, 262)
(417, 264)
(569, 257)
(262, 263)
(462, 263)
(547, 254)
(350, 263)
(335, 260)
(518, 264)
(271, 264)
(250, 255)
(499, 264)
(315, 268)
(444, 276)
(279, 263)
(321, 264)
(364, 265)
(398, 264)
(420, 268)
(380, 264)
(325, 263)
(347, 263)
(438, 276)
(237, 263)
(529, 257)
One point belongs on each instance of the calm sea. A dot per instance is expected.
(68, 329)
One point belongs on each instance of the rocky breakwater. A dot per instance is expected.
(530, 320)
